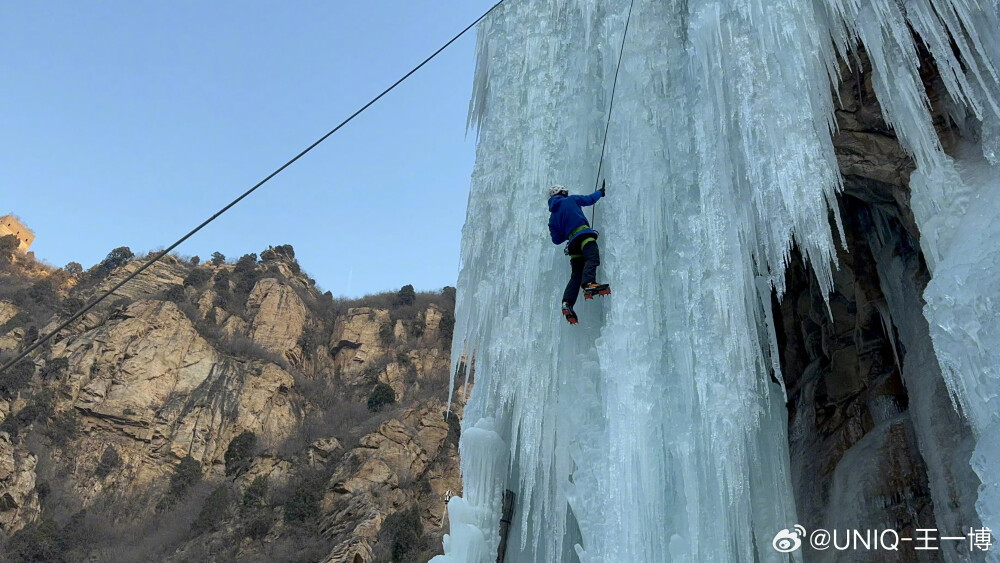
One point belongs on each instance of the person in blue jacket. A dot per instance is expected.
(568, 224)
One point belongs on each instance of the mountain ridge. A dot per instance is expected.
(222, 411)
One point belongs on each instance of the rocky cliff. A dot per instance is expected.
(223, 412)
(874, 440)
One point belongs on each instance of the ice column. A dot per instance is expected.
(654, 430)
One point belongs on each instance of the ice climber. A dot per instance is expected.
(568, 224)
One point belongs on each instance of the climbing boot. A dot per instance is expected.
(592, 289)
(568, 312)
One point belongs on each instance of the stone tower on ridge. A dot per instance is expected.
(11, 225)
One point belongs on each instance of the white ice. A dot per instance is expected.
(652, 431)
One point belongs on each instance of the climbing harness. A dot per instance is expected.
(611, 105)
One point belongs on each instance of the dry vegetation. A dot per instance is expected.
(189, 517)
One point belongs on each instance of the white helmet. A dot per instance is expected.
(558, 190)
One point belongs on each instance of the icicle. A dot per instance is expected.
(651, 431)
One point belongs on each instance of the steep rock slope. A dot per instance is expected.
(222, 412)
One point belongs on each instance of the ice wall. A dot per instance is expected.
(653, 430)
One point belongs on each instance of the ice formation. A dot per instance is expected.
(653, 431)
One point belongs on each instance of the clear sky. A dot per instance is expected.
(129, 122)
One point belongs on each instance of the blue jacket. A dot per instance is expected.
(567, 215)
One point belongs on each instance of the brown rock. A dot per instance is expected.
(7, 311)
(379, 480)
(12, 340)
(164, 273)
(395, 376)
(278, 316)
(356, 340)
(18, 500)
(432, 324)
(323, 450)
(355, 550)
(233, 325)
(206, 303)
(872, 155)
(152, 378)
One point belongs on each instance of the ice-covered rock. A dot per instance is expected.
(652, 431)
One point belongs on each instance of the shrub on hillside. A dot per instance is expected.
(312, 337)
(215, 509)
(278, 252)
(406, 295)
(380, 396)
(245, 276)
(258, 526)
(239, 454)
(8, 246)
(30, 335)
(110, 460)
(401, 536)
(218, 258)
(416, 327)
(16, 378)
(41, 542)
(21, 319)
(386, 333)
(246, 263)
(243, 347)
(42, 292)
(38, 409)
(114, 259)
(55, 368)
(187, 473)
(71, 305)
(373, 368)
(73, 268)
(197, 278)
(303, 504)
(447, 326)
(256, 494)
(63, 428)
(174, 293)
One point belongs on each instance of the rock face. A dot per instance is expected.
(356, 337)
(18, 500)
(135, 414)
(169, 271)
(278, 316)
(148, 382)
(363, 342)
(7, 311)
(874, 441)
(376, 481)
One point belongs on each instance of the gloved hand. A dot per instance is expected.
(603, 189)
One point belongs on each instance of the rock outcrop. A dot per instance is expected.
(242, 379)
(378, 480)
(150, 384)
(7, 311)
(864, 428)
(18, 499)
(168, 271)
(278, 316)
(356, 338)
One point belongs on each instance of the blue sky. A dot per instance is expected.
(130, 122)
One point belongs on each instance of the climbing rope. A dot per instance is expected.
(164, 252)
(611, 105)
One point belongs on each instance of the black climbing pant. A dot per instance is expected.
(584, 263)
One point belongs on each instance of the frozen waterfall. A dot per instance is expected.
(654, 430)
